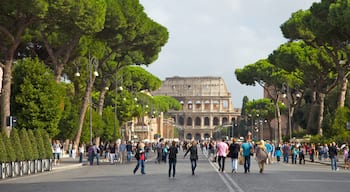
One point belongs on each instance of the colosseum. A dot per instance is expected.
(206, 105)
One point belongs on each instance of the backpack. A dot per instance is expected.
(172, 152)
(137, 155)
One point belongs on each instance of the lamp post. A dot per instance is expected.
(93, 64)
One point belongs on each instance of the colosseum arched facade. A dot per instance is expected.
(206, 105)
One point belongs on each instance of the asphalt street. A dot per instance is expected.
(278, 177)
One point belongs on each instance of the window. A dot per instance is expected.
(189, 121)
(207, 105)
(206, 121)
(225, 104)
(198, 104)
(198, 121)
(216, 121)
(216, 105)
(181, 120)
(189, 105)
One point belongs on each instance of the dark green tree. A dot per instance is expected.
(34, 144)
(47, 144)
(17, 145)
(11, 155)
(38, 100)
(25, 141)
(3, 153)
(40, 143)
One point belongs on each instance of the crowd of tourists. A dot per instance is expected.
(239, 152)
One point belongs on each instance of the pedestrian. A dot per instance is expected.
(81, 152)
(261, 155)
(140, 157)
(312, 152)
(159, 149)
(301, 155)
(193, 155)
(172, 158)
(112, 153)
(122, 152)
(246, 151)
(278, 153)
(346, 157)
(333, 153)
(57, 147)
(233, 154)
(222, 150)
(286, 151)
(128, 151)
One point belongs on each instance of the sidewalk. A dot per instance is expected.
(340, 162)
(67, 163)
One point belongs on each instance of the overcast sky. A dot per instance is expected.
(214, 37)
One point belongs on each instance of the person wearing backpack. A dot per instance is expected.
(193, 155)
(140, 157)
(172, 158)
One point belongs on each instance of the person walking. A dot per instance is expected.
(233, 154)
(128, 151)
(246, 151)
(172, 158)
(222, 150)
(122, 152)
(112, 153)
(193, 155)
(81, 152)
(261, 155)
(140, 157)
(333, 154)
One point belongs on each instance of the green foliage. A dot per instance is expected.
(34, 144)
(11, 155)
(3, 153)
(28, 146)
(338, 131)
(47, 145)
(40, 142)
(37, 92)
(17, 145)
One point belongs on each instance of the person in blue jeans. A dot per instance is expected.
(193, 155)
(333, 154)
(128, 151)
(246, 150)
(140, 157)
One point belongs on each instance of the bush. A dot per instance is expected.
(28, 152)
(11, 156)
(34, 144)
(17, 145)
(3, 154)
(47, 145)
(40, 142)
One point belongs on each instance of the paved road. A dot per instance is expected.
(114, 178)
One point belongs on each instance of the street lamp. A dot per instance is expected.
(93, 64)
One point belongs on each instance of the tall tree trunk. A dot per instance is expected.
(83, 110)
(343, 88)
(311, 113)
(6, 95)
(101, 99)
(321, 110)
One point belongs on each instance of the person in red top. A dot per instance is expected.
(140, 157)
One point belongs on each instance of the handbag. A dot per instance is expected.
(240, 160)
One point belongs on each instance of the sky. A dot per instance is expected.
(215, 37)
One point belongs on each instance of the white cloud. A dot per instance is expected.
(213, 38)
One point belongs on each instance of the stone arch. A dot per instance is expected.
(189, 121)
(181, 120)
(224, 120)
(189, 136)
(206, 135)
(216, 121)
(206, 121)
(197, 136)
(198, 121)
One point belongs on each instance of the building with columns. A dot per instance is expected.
(206, 105)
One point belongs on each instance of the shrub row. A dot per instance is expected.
(25, 145)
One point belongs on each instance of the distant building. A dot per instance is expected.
(206, 105)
